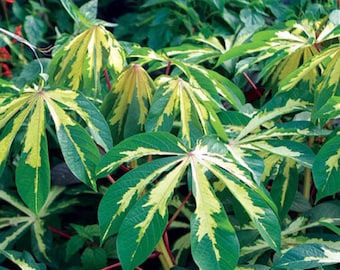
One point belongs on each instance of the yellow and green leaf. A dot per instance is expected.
(193, 105)
(80, 63)
(326, 168)
(144, 224)
(32, 172)
(133, 92)
(79, 151)
(213, 239)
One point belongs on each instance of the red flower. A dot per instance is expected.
(4, 54)
(6, 72)
(9, 1)
(18, 32)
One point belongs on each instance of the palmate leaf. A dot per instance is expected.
(326, 168)
(79, 63)
(14, 227)
(133, 93)
(140, 214)
(33, 172)
(194, 106)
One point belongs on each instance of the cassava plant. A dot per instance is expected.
(168, 157)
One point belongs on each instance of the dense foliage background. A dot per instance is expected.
(169, 134)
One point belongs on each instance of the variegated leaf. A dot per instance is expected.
(79, 150)
(10, 236)
(329, 110)
(144, 224)
(133, 94)
(299, 152)
(280, 105)
(284, 187)
(40, 240)
(193, 105)
(257, 204)
(122, 195)
(24, 260)
(214, 243)
(32, 172)
(308, 256)
(94, 120)
(217, 85)
(192, 53)
(140, 145)
(326, 168)
(10, 130)
(331, 74)
(79, 63)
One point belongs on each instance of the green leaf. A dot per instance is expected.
(35, 28)
(94, 258)
(326, 168)
(240, 50)
(308, 256)
(75, 13)
(213, 240)
(22, 259)
(32, 172)
(74, 245)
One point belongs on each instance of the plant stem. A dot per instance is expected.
(165, 256)
(107, 79)
(307, 185)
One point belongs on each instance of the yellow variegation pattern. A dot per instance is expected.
(206, 205)
(7, 140)
(35, 131)
(134, 83)
(79, 64)
(159, 197)
(192, 104)
(126, 199)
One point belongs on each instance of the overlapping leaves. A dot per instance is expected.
(286, 50)
(13, 227)
(79, 150)
(137, 209)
